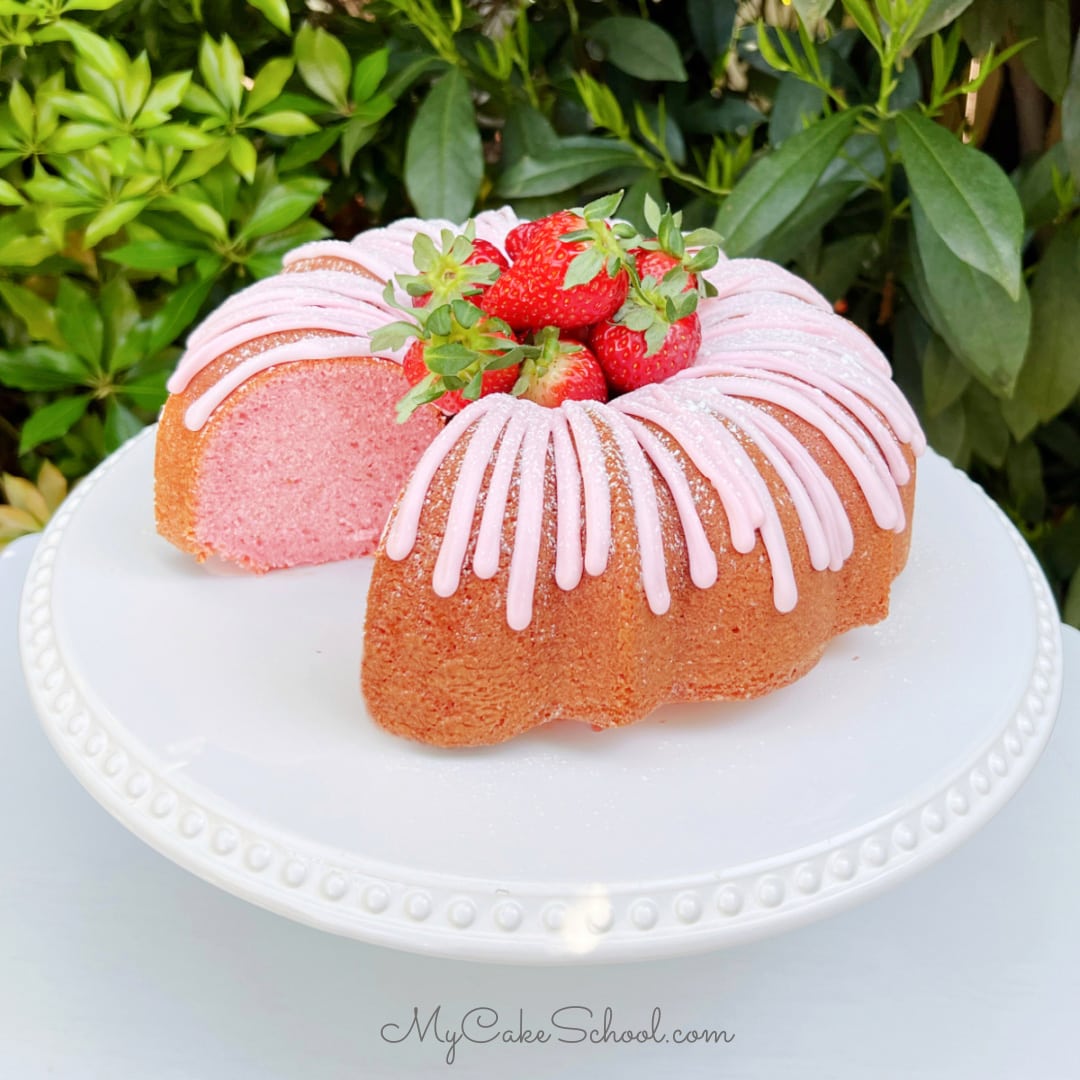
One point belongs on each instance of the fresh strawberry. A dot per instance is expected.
(565, 370)
(658, 264)
(449, 275)
(655, 334)
(517, 239)
(570, 271)
(500, 381)
(460, 267)
(458, 355)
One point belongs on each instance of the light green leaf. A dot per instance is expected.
(571, 161)
(154, 255)
(222, 69)
(1070, 116)
(985, 328)
(813, 11)
(203, 216)
(9, 195)
(775, 186)
(642, 49)
(370, 70)
(26, 250)
(286, 122)
(324, 64)
(22, 109)
(965, 197)
(167, 93)
(243, 156)
(1047, 57)
(444, 159)
(1050, 379)
(51, 421)
(38, 315)
(269, 83)
(276, 12)
(112, 219)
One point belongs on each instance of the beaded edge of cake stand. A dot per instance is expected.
(470, 918)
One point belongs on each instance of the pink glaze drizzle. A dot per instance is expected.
(769, 337)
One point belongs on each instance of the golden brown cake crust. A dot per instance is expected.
(451, 672)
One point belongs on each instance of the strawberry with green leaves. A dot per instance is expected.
(670, 249)
(570, 270)
(460, 354)
(655, 334)
(461, 267)
(563, 370)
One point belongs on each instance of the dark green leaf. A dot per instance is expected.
(1050, 378)
(575, 160)
(310, 148)
(40, 367)
(987, 432)
(713, 24)
(282, 204)
(121, 424)
(985, 23)
(1071, 610)
(642, 49)
(944, 378)
(795, 105)
(986, 330)
(177, 313)
(1024, 469)
(51, 421)
(444, 159)
(965, 197)
(939, 14)
(357, 134)
(774, 187)
(80, 322)
(1070, 116)
(1035, 186)
(1047, 57)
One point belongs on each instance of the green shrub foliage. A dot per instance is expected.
(917, 160)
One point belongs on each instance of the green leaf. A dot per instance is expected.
(282, 204)
(51, 421)
(795, 105)
(111, 219)
(243, 156)
(813, 11)
(571, 162)
(121, 424)
(712, 23)
(39, 367)
(167, 93)
(1047, 57)
(1050, 379)
(222, 69)
(9, 195)
(177, 313)
(309, 148)
(154, 255)
(985, 328)
(201, 214)
(775, 186)
(444, 158)
(939, 14)
(38, 315)
(1024, 469)
(324, 64)
(985, 23)
(22, 109)
(80, 322)
(357, 134)
(966, 198)
(1071, 609)
(642, 49)
(276, 12)
(944, 378)
(286, 122)
(987, 432)
(1070, 116)
(269, 83)
(370, 70)
(866, 20)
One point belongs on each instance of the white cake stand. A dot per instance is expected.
(217, 715)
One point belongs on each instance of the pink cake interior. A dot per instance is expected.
(306, 466)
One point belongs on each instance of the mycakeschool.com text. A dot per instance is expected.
(569, 1025)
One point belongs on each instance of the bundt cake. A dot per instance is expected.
(699, 539)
